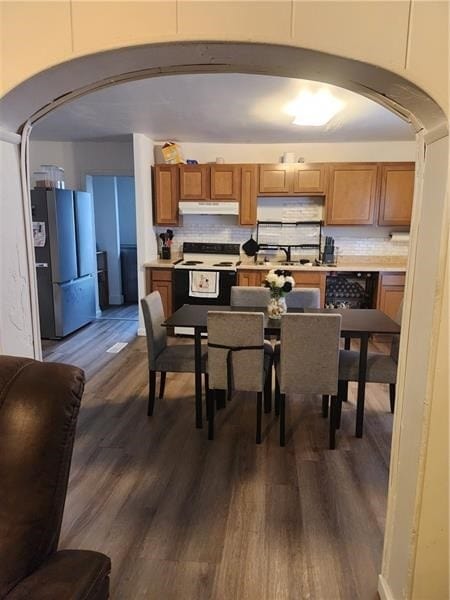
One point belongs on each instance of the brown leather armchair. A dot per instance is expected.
(39, 405)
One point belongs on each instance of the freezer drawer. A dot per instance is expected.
(74, 306)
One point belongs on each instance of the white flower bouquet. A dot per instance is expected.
(279, 282)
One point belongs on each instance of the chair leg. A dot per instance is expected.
(277, 397)
(392, 396)
(268, 391)
(206, 395)
(342, 394)
(325, 402)
(282, 419)
(151, 392)
(162, 384)
(258, 416)
(335, 401)
(211, 408)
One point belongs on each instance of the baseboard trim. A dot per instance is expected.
(383, 589)
(141, 331)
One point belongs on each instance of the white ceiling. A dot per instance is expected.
(228, 107)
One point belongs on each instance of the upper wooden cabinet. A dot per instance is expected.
(194, 182)
(352, 194)
(225, 182)
(166, 197)
(275, 179)
(249, 183)
(396, 193)
(293, 179)
(309, 178)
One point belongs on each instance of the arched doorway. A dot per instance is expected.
(429, 220)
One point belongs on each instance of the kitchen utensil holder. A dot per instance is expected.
(165, 252)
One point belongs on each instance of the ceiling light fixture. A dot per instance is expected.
(313, 109)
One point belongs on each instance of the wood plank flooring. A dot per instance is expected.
(187, 519)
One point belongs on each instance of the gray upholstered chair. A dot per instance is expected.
(243, 295)
(308, 362)
(303, 298)
(256, 296)
(236, 359)
(177, 358)
(381, 368)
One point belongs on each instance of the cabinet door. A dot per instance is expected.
(225, 182)
(309, 178)
(312, 279)
(275, 179)
(247, 210)
(249, 277)
(396, 195)
(160, 280)
(194, 182)
(391, 288)
(166, 196)
(352, 194)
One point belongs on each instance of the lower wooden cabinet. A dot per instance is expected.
(160, 280)
(251, 277)
(391, 288)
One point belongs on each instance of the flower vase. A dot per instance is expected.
(276, 307)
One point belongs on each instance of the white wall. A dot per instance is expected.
(146, 240)
(79, 159)
(15, 307)
(107, 231)
(271, 153)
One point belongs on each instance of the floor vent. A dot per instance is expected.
(117, 347)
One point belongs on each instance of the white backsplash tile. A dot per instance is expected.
(351, 241)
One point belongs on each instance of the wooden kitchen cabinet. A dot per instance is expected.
(166, 196)
(160, 280)
(275, 179)
(391, 288)
(225, 182)
(293, 179)
(251, 277)
(352, 194)
(249, 183)
(396, 193)
(313, 279)
(309, 178)
(195, 182)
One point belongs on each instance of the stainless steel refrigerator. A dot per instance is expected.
(64, 244)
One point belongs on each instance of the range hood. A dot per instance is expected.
(208, 207)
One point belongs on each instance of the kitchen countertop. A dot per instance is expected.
(359, 264)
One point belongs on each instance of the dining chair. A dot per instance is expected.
(236, 359)
(308, 362)
(256, 296)
(163, 358)
(303, 298)
(381, 368)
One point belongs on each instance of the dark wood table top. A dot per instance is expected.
(355, 321)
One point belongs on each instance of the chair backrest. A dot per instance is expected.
(309, 353)
(249, 296)
(39, 405)
(153, 311)
(236, 329)
(303, 298)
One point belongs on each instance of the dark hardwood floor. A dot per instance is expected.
(187, 519)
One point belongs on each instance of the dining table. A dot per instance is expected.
(359, 323)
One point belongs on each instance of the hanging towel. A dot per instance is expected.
(204, 284)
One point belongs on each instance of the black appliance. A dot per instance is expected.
(347, 289)
(128, 267)
(181, 288)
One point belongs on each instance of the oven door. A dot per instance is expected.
(182, 293)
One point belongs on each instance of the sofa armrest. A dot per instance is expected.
(67, 575)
